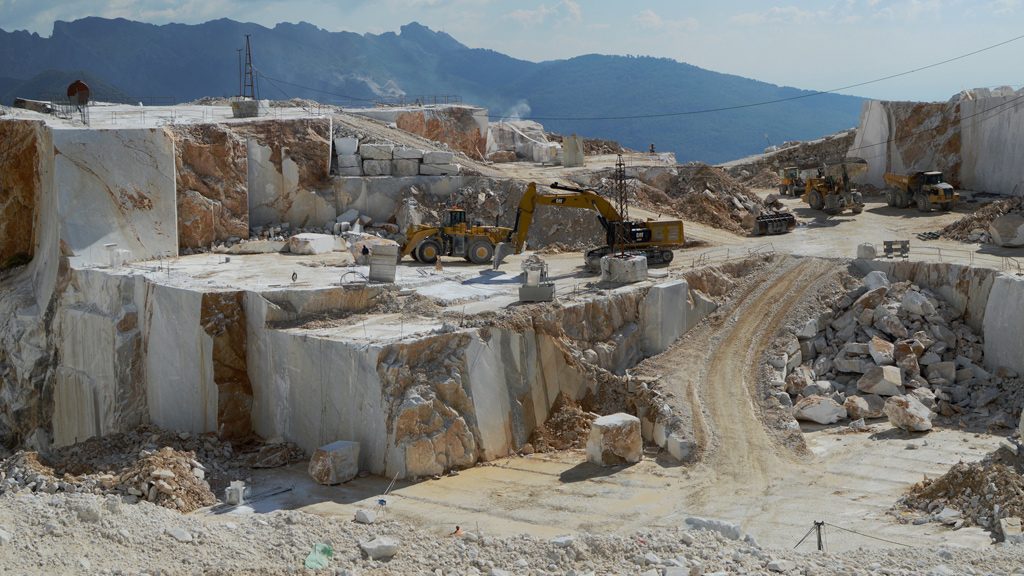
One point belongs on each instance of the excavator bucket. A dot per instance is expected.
(501, 251)
(770, 223)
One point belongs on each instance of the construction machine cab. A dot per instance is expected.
(933, 177)
(456, 216)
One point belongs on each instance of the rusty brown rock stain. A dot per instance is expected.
(307, 142)
(453, 126)
(223, 319)
(19, 190)
(211, 168)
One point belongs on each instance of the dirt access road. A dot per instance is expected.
(744, 476)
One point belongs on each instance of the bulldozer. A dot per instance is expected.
(792, 184)
(655, 239)
(831, 192)
(454, 237)
(925, 189)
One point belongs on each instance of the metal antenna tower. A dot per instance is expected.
(249, 89)
(621, 203)
(240, 73)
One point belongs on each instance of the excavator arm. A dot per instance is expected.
(571, 198)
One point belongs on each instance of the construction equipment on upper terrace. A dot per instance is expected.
(792, 184)
(831, 192)
(455, 237)
(925, 189)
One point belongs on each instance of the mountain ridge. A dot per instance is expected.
(187, 61)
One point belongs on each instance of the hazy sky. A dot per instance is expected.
(816, 45)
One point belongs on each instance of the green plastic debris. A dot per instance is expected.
(319, 557)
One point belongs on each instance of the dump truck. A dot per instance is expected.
(453, 237)
(831, 192)
(655, 239)
(792, 184)
(926, 190)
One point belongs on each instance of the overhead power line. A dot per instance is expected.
(777, 100)
(995, 111)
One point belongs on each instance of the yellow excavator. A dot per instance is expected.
(654, 238)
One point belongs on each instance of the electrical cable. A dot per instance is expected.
(868, 535)
(778, 100)
(706, 110)
(904, 137)
(804, 538)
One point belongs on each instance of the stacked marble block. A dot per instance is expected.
(355, 159)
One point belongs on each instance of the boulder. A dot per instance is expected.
(346, 146)
(365, 516)
(909, 347)
(866, 406)
(944, 370)
(917, 303)
(1011, 530)
(1008, 230)
(929, 358)
(800, 378)
(435, 157)
(881, 351)
(781, 566)
(439, 169)
(867, 251)
(808, 330)
(924, 396)
(403, 153)
(381, 547)
(889, 323)
(377, 167)
(871, 299)
(615, 439)
(949, 516)
(819, 388)
(335, 463)
(876, 279)
(309, 243)
(845, 363)
(820, 409)
(377, 152)
(881, 380)
(907, 413)
(726, 529)
(350, 216)
(908, 364)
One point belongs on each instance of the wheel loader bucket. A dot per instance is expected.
(501, 251)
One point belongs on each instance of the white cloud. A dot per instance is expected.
(775, 15)
(568, 10)
(650, 20)
(531, 17)
(573, 10)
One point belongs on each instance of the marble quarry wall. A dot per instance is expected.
(116, 187)
(289, 164)
(976, 140)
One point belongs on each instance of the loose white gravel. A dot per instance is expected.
(89, 534)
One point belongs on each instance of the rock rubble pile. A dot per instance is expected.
(972, 494)
(709, 195)
(177, 471)
(1000, 222)
(896, 350)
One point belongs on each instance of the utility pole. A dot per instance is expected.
(250, 78)
(239, 50)
(820, 527)
(622, 205)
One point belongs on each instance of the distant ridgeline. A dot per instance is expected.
(177, 63)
